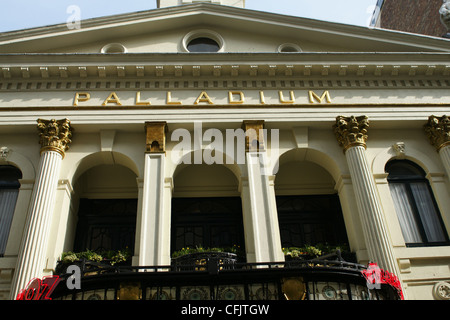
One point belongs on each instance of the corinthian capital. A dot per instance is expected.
(54, 135)
(351, 131)
(438, 131)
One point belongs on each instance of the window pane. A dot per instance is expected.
(9, 190)
(405, 213)
(427, 212)
(203, 45)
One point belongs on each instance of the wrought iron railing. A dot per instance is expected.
(222, 277)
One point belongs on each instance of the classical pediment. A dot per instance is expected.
(240, 30)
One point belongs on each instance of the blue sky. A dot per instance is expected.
(23, 14)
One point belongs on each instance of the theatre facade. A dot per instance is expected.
(205, 143)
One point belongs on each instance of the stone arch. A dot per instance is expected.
(22, 163)
(311, 155)
(100, 158)
(412, 154)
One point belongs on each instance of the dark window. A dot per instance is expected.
(311, 220)
(207, 222)
(106, 224)
(416, 208)
(9, 190)
(203, 45)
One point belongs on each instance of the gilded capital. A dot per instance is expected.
(438, 131)
(155, 137)
(254, 135)
(54, 135)
(351, 131)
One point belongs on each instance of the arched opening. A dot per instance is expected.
(309, 209)
(9, 190)
(107, 210)
(206, 208)
(415, 205)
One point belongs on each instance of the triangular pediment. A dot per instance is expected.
(242, 30)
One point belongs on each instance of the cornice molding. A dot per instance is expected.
(359, 65)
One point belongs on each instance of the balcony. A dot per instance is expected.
(215, 276)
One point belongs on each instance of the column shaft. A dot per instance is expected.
(351, 133)
(445, 158)
(377, 238)
(54, 139)
(31, 260)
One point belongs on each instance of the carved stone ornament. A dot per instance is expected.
(351, 131)
(400, 149)
(254, 135)
(441, 291)
(54, 135)
(438, 131)
(4, 153)
(155, 137)
(444, 12)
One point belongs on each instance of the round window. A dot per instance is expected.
(203, 41)
(114, 48)
(203, 45)
(289, 48)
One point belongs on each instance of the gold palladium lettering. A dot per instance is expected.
(169, 99)
(234, 98)
(231, 95)
(291, 94)
(139, 102)
(203, 98)
(112, 98)
(81, 97)
(313, 97)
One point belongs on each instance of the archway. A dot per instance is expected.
(105, 206)
(308, 206)
(206, 208)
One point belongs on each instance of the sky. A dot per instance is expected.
(24, 14)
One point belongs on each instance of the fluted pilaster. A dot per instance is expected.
(54, 139)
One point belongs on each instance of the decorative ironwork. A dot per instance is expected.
(329, 278)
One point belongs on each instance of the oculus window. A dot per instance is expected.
(203, 45)
(416, 208)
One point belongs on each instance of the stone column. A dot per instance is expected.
(55, 137)
(351, 133)
(155, 224)
(438, 132)
(260, 214)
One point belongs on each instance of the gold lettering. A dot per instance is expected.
(291, 94)
(262, 98)
(313, 97)
(169, 99)
(231, 95)
(112, 98)
(203, 98)
(139, 102)
(81, 97)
